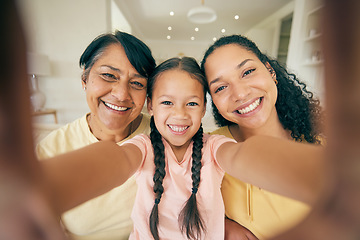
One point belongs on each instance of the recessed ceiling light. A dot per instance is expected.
(172, 13)
(192, 38)
(168, 37)
(214, 39)
(223, 30)
(236, 17)
(196, 29)
(169, 28)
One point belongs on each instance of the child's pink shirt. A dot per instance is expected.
(177, 190)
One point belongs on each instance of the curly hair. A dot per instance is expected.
(190, 221)
(297, 109)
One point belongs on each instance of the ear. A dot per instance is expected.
(83, 80)
(271, 70)
(149, 106)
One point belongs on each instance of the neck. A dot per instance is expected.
(102, 133)
(179, 151)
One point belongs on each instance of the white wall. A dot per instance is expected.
(266, 33)
(163, 50)
(62, 30)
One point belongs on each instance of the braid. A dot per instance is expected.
(190, 220)
(159, 161)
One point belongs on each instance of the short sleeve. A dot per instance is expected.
(214, 142)
(143, 142)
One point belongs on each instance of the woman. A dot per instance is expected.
(254, 95)
(116, 68)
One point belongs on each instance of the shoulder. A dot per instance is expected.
(140, 140)
(214, 141)
(144, 126)
(69, 137)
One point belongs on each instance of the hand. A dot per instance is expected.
(235, 231)
(25, 213)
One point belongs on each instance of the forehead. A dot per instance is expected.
(176, 81)
(229, 52)
(226, 58)
(115, 56)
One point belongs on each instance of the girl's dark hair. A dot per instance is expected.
(190, 221)
(297, 108)
(137, 52)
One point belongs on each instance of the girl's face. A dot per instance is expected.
(241, 86)
(178, 106)
(115, 91)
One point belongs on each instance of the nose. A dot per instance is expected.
(240, 90)
(120, 90)
(179, 112)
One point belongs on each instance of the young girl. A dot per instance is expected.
(179, 169)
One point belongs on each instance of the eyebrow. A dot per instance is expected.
(171, 96)
(237, 67)
(137, 75)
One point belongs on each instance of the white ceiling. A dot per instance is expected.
(150, 19)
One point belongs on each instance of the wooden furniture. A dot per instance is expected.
(46, 112)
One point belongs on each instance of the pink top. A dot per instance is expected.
(177, 190)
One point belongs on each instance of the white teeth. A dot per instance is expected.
(115, 107)
(177, 129)
(250, 108)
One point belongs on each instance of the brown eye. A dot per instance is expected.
(108, 76)
(219, 89)
(248, 72)
(137, 85)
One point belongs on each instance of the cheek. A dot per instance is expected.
(138, 97)
(220, 101)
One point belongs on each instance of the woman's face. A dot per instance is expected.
(241, 86)
(115, 91)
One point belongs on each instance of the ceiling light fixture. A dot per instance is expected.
(202, 14)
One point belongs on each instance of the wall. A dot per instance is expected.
(62, 30)
(266, 33)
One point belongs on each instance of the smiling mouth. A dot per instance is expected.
(114, 107)
(178, 129)
(250, 108)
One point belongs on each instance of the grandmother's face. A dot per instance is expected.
(115, 91)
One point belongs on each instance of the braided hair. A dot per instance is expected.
(190, 221)
(296, 106)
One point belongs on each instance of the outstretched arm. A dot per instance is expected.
(296, 170)
(81, 175)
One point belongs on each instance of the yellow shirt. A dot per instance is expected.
(106, 217)
(264, 213)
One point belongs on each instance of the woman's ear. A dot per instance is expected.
(149, 106)
(83, 80)
(271, 70)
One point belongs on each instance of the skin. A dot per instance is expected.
(177, 106)
(237, 80)
(25, 209)
(115, 93)
(181, 102)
